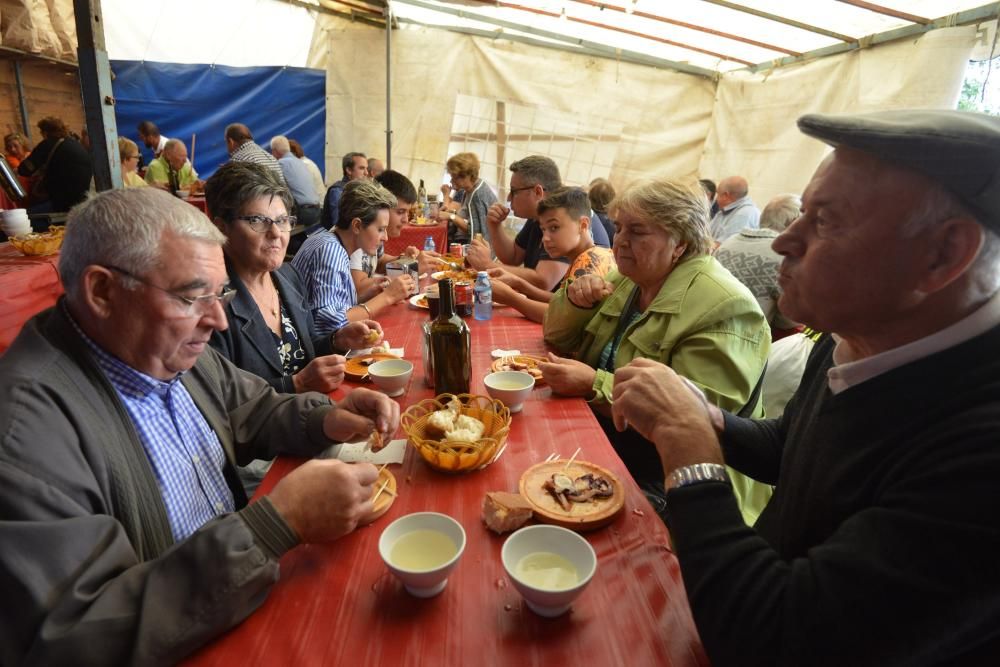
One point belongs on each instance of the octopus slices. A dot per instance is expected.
(566, 490)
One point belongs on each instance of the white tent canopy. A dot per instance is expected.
(617, 88)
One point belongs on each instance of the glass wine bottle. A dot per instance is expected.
(450, 346)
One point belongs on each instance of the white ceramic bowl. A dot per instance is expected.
(12, 228)
(391, 375)
(510, 387)
(14, 214)
(183, 194)
(553, 539)
(422, 583)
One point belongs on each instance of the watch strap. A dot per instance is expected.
(696, 474)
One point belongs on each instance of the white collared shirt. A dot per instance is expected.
(846, 373)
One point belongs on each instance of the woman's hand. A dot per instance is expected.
(588, 290)
(568, 377)
(322, 374)
(400, 288)
(358, 335)
(446, 192)
(412, 252)
(504, 293)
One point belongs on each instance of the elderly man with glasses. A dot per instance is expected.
(127, 538)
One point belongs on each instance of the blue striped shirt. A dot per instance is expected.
(183, 450)
(325, 267)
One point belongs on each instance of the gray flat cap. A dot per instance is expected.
(958, 149)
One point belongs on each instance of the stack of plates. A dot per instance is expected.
(15, 221)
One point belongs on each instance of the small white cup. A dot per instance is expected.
(428, 582)
(512, 388)
(391, 375)
(557, 540)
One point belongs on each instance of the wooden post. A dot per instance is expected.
(98, 99)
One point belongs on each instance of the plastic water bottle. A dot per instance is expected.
(429, 244)
(482, 295)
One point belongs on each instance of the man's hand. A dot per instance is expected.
(659, 405)
(588, 290)
(400, 288)
(517, 283)
(496, 214)
(361, 412)
(568, 377)
(324, 499)
(322, 374)
(358, 335)
(412, 252)
(479, 255)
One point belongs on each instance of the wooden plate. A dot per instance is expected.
(385, 499)
(581, 517)
(356, 368)
(528, 360)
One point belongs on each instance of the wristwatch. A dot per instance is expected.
(452, 217)
(696, 474)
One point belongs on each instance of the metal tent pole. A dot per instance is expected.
(388, 85)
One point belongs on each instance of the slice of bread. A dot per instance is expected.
(504, 512)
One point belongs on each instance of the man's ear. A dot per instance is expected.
(97, 290)
(952, 247)
(584, 223)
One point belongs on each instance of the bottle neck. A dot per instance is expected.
(446, 300)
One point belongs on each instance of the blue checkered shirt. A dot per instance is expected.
(183, 450)
(323, 263)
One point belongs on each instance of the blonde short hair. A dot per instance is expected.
(680, 207)
(464, 164)
(127, 148)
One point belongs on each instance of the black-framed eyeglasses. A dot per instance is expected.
(261, 223)
(514, 191)
(191, 304)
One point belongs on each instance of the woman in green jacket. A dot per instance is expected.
(671, 301)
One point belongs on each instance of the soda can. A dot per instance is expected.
(456, 250)
(463, 299)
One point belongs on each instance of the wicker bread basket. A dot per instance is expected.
(45, 243)
(455, 455)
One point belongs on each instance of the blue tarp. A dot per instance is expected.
(203, 99)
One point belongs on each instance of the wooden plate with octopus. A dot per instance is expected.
(596, 499)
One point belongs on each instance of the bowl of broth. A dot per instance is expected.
(549, 566)
(511, 388)
(421, 550)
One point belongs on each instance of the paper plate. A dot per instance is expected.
(590, 515)
(418, 301)
(356, 368)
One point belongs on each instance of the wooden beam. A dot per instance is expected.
(886, 11)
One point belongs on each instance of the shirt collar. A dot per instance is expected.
(123, 377)
(846, 372)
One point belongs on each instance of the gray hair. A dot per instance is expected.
(780, 212)
(123, 228)
(538, 170)
(235, 184)
(736, 186)
(279, 145)
(363, 199)
(936, 204)
(172, 144)
(680, 207)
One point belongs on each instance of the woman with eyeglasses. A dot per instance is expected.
(128, 151)
(271, 332)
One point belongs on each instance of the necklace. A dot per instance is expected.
(273, 301)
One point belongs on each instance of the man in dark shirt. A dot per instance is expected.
(879, 545)
(531, 178)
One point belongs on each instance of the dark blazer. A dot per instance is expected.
(249, 343)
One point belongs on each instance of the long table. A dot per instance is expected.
(28, 285)
(338, 604)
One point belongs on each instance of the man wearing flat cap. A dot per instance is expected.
(880, 545)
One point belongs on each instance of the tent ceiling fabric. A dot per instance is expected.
(698, 36)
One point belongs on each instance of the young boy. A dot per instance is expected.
(564, 218)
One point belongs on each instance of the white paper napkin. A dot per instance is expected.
(398, 351)
(357, 452)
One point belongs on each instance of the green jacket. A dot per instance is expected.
(704, 324)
